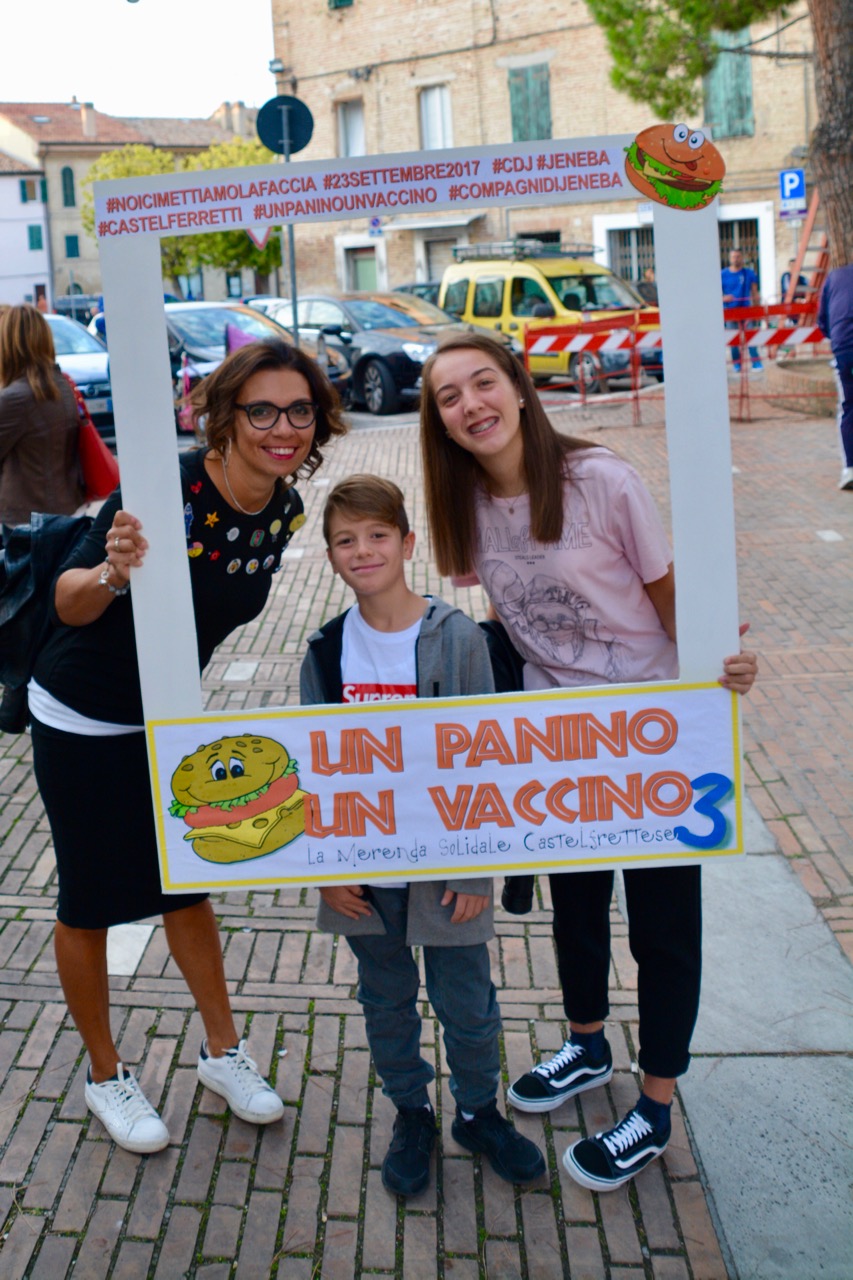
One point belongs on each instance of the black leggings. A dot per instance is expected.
(665, 936)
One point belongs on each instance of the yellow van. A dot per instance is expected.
(520, 285)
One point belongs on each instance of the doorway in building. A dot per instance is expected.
(632, 252)
(740, 233)
(361, 269)
(439, 254)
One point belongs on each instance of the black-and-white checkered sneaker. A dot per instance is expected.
(570, 1071)
(611, 1159)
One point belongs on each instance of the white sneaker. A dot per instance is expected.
(846, 481)
(126, 1113)
(236, 1078)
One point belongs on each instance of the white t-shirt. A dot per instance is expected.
(577, 610)
(378, 666)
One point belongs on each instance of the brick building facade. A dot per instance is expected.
(408, 75)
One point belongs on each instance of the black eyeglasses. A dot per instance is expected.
(263, 415)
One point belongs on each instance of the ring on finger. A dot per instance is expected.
(117, 542)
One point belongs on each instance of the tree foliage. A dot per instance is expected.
(232, 250)
(182, 255)
(178, 254)
(662, 50)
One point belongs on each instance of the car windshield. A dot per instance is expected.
(409, 312)
(71, 339)
(594, 293)
(206, 326)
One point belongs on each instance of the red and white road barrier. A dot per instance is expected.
(773, 337)
(616, 340)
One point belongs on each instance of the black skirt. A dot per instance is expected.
(97, 794)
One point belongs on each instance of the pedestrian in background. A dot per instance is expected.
(39, 426)
(835, 317)
(269, 411)
(506, 495)
(740, 289)
(647, 288)
(802, 286)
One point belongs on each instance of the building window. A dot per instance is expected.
(436, 122)
(234, 284)
(530, 102)
(72, 246)
(28, 190)
(351, 128)
(68, 198)
(35, 237)
(728, 89)
(339, 4)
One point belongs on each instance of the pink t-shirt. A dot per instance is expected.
(577, 610)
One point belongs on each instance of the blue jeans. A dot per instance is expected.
(844, 377)
(753, 351)
(460, 989)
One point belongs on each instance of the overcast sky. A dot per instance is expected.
(151, 58)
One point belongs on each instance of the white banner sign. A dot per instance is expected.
(521, 173)
(448, 787)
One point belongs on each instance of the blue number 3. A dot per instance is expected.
(719, 789)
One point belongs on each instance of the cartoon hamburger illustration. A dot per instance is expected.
(675, 166)
(240, 797)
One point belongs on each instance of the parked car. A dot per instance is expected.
(269, 303)
(386, 337)
(85, 359)
(199, 332)
(426, 289)
(78, 306)
(518, 286)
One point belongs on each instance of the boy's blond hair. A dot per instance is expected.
(367, 498)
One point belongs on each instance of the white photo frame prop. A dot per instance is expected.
(130, 215)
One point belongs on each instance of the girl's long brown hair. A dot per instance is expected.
(215, 397)
(27, 351)
(452, 474)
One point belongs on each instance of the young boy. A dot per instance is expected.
(395, 644)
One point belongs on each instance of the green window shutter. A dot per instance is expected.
(43, 185)
(530, 102)
(728, 89)
(72, 246)
(23, 182)
(35, 237)
(68, 198)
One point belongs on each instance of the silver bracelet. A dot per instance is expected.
(104, 581)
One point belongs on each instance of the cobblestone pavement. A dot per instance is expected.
(303, 1198)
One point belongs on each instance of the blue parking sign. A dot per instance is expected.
(792, 184)
(792, 192)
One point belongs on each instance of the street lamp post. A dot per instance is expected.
(277, 69)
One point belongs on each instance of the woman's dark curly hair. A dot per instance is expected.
(215, 398)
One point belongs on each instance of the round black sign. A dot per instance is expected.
(280, 113)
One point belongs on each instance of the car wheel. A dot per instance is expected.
(593, 383)
(380, 393)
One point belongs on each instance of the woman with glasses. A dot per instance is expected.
(268, 411)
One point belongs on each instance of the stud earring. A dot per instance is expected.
(521, 404)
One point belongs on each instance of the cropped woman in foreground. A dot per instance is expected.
(268, 411)
(39, 427)
(566, 541)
